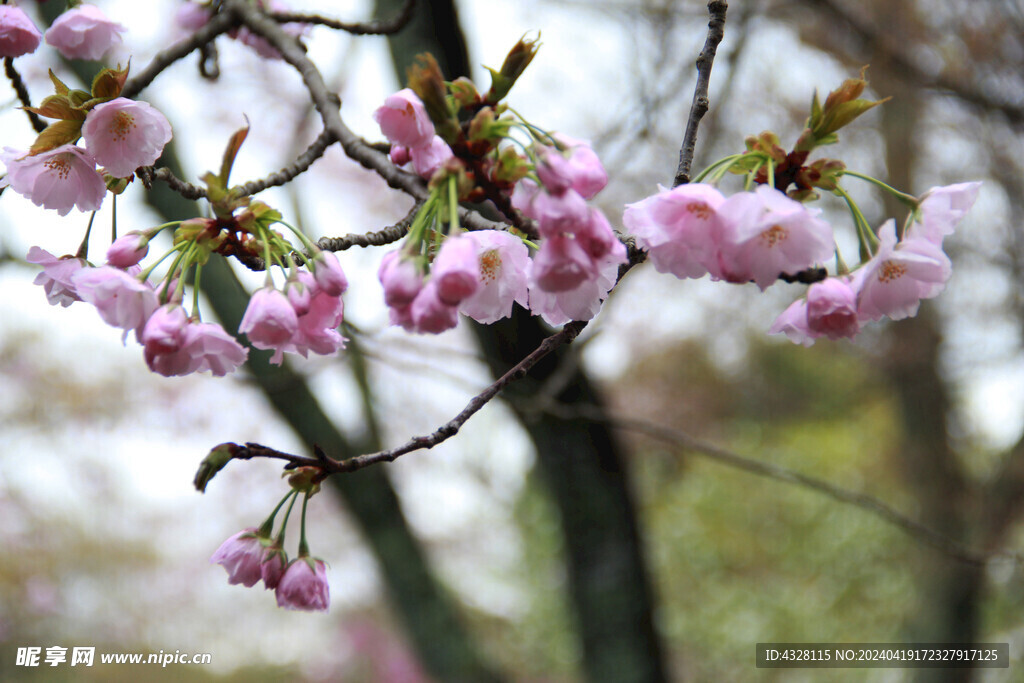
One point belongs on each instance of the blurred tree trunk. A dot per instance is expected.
(581, 461)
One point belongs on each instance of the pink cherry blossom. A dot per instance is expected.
(765, 233)
(504, 266)
(941, 210)
(241, 555)
(401, 278)
(678, 229)
(270, 320)
(585, 168)
(273, 566)
(404, 120)
(58, 179)
(559, 214)
(562, 264)
(260, 44)
(832, 309)
(304, 586)
(214, 349)
(455, 271)
(523, 195)
(428, 313)
(583, 302)
(399, 155)
(128, 250)
(900, 275)
(123, 135)
(596, 236)
(191, 16)
(328, 273)
(121, 299)
(318, 326)
(792, 322)
(18, 35)
(84, 33)
(553, 170)
(429, 158)
(56, 275)
(164, 339)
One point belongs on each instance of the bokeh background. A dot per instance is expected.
(511, 552)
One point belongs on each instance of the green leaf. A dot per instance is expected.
(57, 107)
(58, 85)
(108, 83)
(234, 144)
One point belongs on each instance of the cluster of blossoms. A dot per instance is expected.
(191, 16)
(454, 137)
(253, 555)
(82, 32)
(763, 235)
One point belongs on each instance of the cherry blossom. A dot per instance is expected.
(59, 179)
(900, 275)
(765, 233)
(213, 348)
(401, 278)
(504, 266)
(273, 565)
(270, 320)
(164, 339)
(304, 586)
(678, 229)
(428, 313)
(56, 276)
(832, 309)
(123, 135)
(429, 158)
(562, 264)
(121, 299)
(584, 301)
(84, 33)
(942, 209)
(18, 35)
(328, 274)
(191, 16)
(404, 121)
(792, 322)
(455, 271)
(241, 555)
(260, 44)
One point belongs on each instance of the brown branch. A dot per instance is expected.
(722, 456)
(699, 107)
(315, 150)
(38, 125)
(219, 23)
(187, 190)
(376, 28)
(439, 435)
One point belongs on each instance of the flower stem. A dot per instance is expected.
(294, 493)
(268, 525)
(83, 248)
(866, 237)
(303, 546)
(903, 197)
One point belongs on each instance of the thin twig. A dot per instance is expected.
(38, 125)
(722, 456)
(699, 107)
(376, 28)
(315, 150)
(441, 434)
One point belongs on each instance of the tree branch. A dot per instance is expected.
(699, 107)
(377, 28)
(439, 435)
(38, 125)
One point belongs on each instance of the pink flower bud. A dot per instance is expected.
(404, 121)
(328, 274)
(399, 155)
(456, 270)
(273, 566)
(560, 214)
(832, 309)
(429, 158)
(84, 33)
(562, 264)
(269, 320)
(128, 250)
(304, 586)
(18, 35)
(430, 314)
(401, 278)
(164, 339)
(123, 135)
(240, 555)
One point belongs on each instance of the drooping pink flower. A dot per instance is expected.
(504, 265)
(241, 555)
(273, 566)
(328, 274)
(942, 209)
(84, 33)
(401, 278)
(596, 236)
(164, 339)
(585, 168)
(900, 275)
(765, 233)
(127, 250)
(430, 157)
(121, 299)
(792, 322)
(213, 348)
(304, 586)
(583, 302)
(559, 214)
(678, 228)
(58, 179)
(18, 35)
(455, 271)
(399, 155)
(562, 264)
(318, 325)
(404, 120)
(56, 275)
(832, 309)
(123, 135)
(428, 313)
(270, 320)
